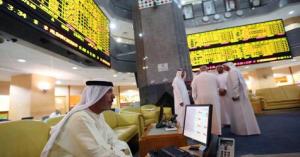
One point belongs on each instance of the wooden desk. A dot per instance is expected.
(154, 139)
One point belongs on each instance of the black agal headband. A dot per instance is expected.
(99, 83)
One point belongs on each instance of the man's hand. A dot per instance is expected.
(126, 151)
(181, 104)
(236, 98)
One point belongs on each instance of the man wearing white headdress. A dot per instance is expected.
(83, 132)
(205, 91)
(225, 100)
(181, 96)
(243, 121)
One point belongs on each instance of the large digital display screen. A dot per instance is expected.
(236, 34)
(247, 53)
(248, 44)
(78, 24)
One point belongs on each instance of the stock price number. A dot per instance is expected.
(19, 12)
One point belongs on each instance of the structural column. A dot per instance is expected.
(161, 47)
(27, 98)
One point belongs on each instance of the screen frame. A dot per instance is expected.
(209, 121)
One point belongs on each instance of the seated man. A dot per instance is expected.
(83, 131)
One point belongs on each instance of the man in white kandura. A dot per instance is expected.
(243, 121)
(83, 132)
(225, 100)
(181, 96)
(205, 91)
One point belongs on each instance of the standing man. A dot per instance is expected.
(243, 121)
(205, 91)
(83, 132)
(181, 96)
(225, 100)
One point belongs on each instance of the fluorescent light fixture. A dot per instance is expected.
(75, 68)
(21, 60)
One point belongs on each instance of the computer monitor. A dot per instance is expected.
(197, 123)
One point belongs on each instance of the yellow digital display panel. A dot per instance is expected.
(82, 15)
(79, 23)
(246, 53)
(235, 34)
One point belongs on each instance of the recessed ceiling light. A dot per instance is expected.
(228, 14)
(205, 18)
(140, 34)
(119, 40)
(74, 68)
(21, 60)
(115, 75)
(291, 12)
(112, 26)
(240, 12)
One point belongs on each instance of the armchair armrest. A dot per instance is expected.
(131, 118)
(153, 114)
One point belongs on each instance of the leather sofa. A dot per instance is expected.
(27, 138)
(280, 97)
(53, 121)
(24, 138)
(149, 112)
(124, 125)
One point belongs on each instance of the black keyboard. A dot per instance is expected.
(173, 152)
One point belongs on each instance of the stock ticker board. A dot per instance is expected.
(243, 45)
(78, 24)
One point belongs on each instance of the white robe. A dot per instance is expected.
(205, 91)
(86, 134)
(225, 101)
(243, 121)
(180, 96)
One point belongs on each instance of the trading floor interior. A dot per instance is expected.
(50, 48)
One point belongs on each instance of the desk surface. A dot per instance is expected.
(152, 130)
(154, 139)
